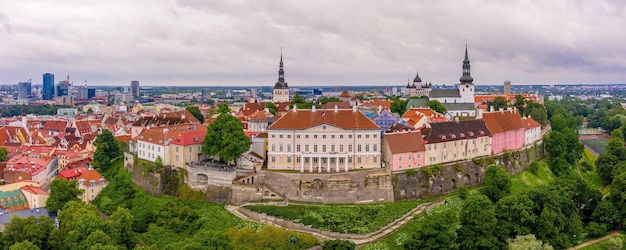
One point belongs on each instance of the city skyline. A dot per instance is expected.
(324, 43)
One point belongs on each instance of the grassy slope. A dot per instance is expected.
(599, 245)
(527, 180)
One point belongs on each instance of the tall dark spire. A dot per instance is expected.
(466, 78)
(281, 73)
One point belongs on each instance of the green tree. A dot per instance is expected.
(538, 113)
(78, 221)
(97, 239)
(618, 193)
(606, 213)
(478, 225)
(528, 242)
(498, 103)
(223, 108)
(497, 183)
(89, 111)
(122, 227)
(112, 149)
(555, 144)
(34, 230)
(327, 99)
(3, 154)
(225, 138)
(398, 106)
(271, 107)
(62, 191)
(515, 215)
(24, 245)
(195, 111)
(436, 106)
(575, 148)
(338, 245)
(559, 166)
(436, 231)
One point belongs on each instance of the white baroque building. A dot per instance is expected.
(324, 141)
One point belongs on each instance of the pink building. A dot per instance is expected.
(508, 130)
(403, 150)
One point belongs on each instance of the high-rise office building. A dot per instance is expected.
(63, 87)
(23, 90)
(134, 88)
(507, 87)
(48, 87)
(206, 95)
(91, 93)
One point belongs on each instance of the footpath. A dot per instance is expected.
(358, 239)
(587, 243)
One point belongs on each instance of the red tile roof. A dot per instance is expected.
(304, 119)
(345, 94)
(191, 137)
(405, 142)
(29, 165)
(72, 174)
(34, 190)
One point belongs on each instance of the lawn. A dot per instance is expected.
(599, 245)
(590, 175)
(597, 145)
(527, 180)
(358, 219)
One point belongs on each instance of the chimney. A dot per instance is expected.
(380, 108)
(501, 110)
(336, 109)
(491, 109)
(295, 108)
(267, 110)
(354, 108)
(313, 108)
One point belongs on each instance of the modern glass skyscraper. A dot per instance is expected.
(48, 86)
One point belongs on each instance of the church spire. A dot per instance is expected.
(466, 78)
(281, 73)
(417, 77)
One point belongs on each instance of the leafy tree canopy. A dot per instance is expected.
(62, 191)
(225, 138)
(497, 183)
(436, 106)
(195, 111)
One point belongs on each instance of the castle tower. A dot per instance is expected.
(280, 92)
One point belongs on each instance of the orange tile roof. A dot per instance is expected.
(89, 175)
(530, 123)
(55, 125)
(405, 142)
(304, 119)
(502, 121)
(345, 94)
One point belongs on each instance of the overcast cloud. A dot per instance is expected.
(325, 42)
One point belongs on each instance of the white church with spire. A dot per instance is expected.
(280, 92)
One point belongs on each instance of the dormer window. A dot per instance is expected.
(481, 132)
(452, 136)
(461, 135)
(471, 133)
(443, 137)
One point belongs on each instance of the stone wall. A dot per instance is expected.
(147, 181)
(365, 186)
(446, 178)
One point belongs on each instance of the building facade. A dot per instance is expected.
(323, 141)
(403, 150)
(48, 86)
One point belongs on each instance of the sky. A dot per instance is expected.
(324, 42)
